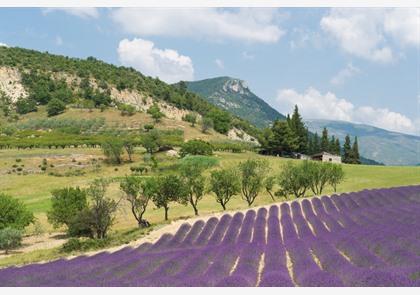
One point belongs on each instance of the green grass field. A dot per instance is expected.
(34, 189)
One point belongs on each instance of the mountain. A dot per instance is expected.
(234, 95)
(388, 147)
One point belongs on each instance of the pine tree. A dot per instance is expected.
(324, 141)
(282, 139)
(347, 151)
(316, 144)
(331, 146)
(337, 147)
(355, 152)
(299, 130)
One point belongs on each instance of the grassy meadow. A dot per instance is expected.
(34, 188)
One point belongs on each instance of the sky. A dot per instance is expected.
(357, 65)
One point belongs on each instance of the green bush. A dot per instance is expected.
(24, 106)
(13, 213)
(196, 147)
(55, 107)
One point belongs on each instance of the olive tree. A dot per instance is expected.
(113, 149)
(318, 174)
(225, 184)
(293, 180)
(170, 188)
(101, 212)
(192, 168)
(10, 238)
(269, 183)
(252, 173)
(336, 175)
(138, 192)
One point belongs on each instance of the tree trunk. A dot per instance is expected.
(166, 213)
(223, 206)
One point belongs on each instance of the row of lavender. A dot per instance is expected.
(369, 238)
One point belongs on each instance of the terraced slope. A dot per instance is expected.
(369, 238)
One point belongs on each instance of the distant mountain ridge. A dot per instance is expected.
(388, 147)
(235, 96)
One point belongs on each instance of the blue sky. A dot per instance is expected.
(359, 65)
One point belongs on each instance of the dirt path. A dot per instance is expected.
(33, 243)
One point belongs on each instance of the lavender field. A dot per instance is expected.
(368, 238)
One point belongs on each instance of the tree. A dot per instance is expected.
(318, 174)
(331, 146)
(138, 192)
(221, 120)
(113, 149)
(192, 169)
(324, 141)
(355, 152)
(151, 141)
(293, 180)
(55, 107)
(100, 215)
(252, 174)
(126, 109)
(269, 183)
(129, 148)
(281, 140)
(66, 203)
(224, 184)
(191, 118)
(155, 112)
(336, 176)
(316, 143)
(24, 106)
(347, 151)
(10, 238)
(13, 213)
(337, 147)
(206, 124)
(196, 147)
(170, 188)
(301, 133)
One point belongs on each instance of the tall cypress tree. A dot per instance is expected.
(299, 129)
(316, 143)
(337, 147)
(347, 151)
(324, 141)
(355, 152)
(331, 145)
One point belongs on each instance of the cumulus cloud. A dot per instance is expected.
(4, 45)
(343, 75)
(219, 63)
(83, 12)
(373, 34)
(252, 25)
(315, 105)
(167, 64)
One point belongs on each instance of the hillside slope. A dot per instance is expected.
(234, 95)
(390, 148)
(37, 77)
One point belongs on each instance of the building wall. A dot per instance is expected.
(331, 159)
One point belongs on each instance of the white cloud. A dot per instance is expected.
(374, 33)
(167, 64)
(343, 75)
(315, 105)
(219, 63)
(58, 41)
(247, 55)
(83, 12)
(4, 45)
(252, 25)
(301, 38)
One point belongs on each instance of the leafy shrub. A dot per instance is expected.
(127, 109)
(196, 147)
(191, 118)
(13, 213)
(24, 106)
(55, 107)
